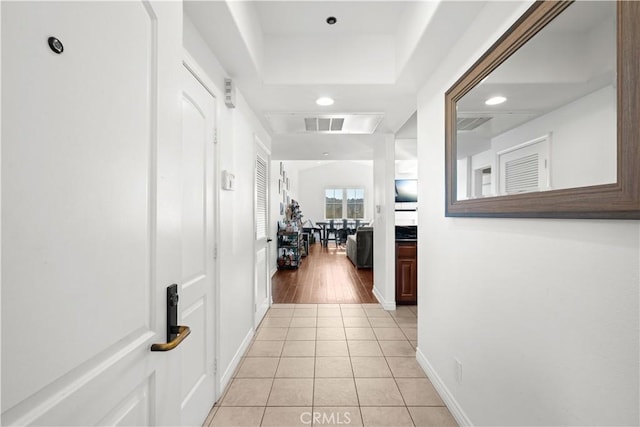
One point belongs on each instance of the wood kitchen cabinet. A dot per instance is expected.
(406, 272)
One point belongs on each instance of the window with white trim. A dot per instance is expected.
(345, 203)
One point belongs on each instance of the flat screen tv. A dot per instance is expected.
(406, 190)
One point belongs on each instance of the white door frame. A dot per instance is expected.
(257, 318)
(198, 72)
(0, 208)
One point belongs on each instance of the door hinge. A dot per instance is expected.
(215, 252)
(215, 135)
(215, 366)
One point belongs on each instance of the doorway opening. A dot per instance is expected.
(323, 245)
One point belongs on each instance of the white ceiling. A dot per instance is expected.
(283, 56)
(308, 17)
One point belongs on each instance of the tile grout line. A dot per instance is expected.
(273, 380)
(355, 384)
(315, 359)
(353, 374)
(392, 375)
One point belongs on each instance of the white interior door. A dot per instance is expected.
(197, 285)
(90, 211)
(261, 209)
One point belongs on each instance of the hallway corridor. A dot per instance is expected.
(330, 364)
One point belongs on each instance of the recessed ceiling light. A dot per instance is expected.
(325, 154)
(495, 100)
(332, 20)
(324, 101)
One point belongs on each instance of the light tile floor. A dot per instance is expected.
(332, 364)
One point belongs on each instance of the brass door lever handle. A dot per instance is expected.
(183, 332)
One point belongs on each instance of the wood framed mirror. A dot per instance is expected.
(546, 123)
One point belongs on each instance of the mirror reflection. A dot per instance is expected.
(545, 119)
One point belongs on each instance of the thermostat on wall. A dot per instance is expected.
(228, 181)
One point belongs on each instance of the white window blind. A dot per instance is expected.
(525, 167)
(261, 197)
(522, 174)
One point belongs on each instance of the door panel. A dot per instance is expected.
(194, 136)
(196, 294)
(134, 410)
(81, 232)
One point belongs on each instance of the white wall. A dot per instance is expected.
(236, 130)
(463, 182)
(313, 181)
(542, 314)
(279, 197)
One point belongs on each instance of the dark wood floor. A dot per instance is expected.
(325, 276)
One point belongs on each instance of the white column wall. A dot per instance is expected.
(384, 222)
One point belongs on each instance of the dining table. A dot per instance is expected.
(338, 224)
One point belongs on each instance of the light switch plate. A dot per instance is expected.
(228, 181)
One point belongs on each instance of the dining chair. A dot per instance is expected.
(344, 232)
(331, 233)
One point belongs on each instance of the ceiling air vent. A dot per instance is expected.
(323, 124)
(470, 123)
(311, 124)
(336, 123)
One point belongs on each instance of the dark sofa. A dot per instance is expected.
(360, 247)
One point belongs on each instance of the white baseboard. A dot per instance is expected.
(274, 270)
(452, 404)
(233, 365)
(387, 305)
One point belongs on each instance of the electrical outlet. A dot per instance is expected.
(458, 370)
